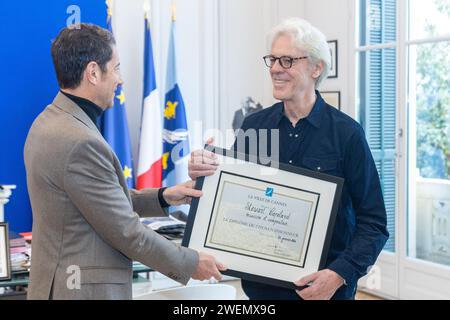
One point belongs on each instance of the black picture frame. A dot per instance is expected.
(334, 59)
(5, 258)
(200, 233)
(333, 98)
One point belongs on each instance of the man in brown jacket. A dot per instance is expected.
(85, 220)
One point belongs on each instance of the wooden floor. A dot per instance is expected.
(365, 296)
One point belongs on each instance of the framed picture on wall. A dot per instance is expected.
(5, 263)
(332, 98)
(334, 58)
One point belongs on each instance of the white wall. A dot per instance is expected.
(242, 43)
(128, 22)
(128, 26)
(220, 44)
(334, 19)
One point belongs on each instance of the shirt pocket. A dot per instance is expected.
(325, 165)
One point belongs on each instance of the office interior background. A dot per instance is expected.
(391, 75)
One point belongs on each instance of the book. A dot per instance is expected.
(16, 240)
(18, 249)
(168, 227)
(26, 235)
(162, 223)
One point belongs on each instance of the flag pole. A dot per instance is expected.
(109, 5)
(147, 8)
(174, 11)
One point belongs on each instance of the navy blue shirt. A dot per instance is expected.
(331, 142)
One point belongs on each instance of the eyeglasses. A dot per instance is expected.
(285, 61)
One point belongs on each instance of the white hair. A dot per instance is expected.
(308, 38)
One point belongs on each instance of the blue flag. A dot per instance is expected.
(175, 132)
(114, 128)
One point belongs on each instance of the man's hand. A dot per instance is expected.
(208, 267)
(181, 194)
(202, 162)
(322, 285)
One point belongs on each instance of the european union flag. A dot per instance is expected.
(114, 128)
(175, 132)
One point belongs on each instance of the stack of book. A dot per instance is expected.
(20, 250)
(168, 227)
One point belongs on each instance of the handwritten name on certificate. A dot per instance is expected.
(262, 220)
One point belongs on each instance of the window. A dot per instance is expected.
(429, 127)
(403, 100)
(377, 94)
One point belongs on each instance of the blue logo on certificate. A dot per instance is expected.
(269, 192)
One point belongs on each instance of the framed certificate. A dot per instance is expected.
(271, 224)
(5, 270)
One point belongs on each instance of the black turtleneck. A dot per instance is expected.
(91, 109)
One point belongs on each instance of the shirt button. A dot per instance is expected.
(318, 168)
(290, 161)
(290, 135)
(296, 135)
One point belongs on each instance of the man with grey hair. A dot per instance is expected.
(316, 136)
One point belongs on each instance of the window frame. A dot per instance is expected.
(396, 270)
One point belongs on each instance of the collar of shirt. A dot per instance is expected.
(314, 117)
(91, 109)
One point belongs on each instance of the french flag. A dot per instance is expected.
(150, 147)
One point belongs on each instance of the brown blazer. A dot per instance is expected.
(86, 227)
